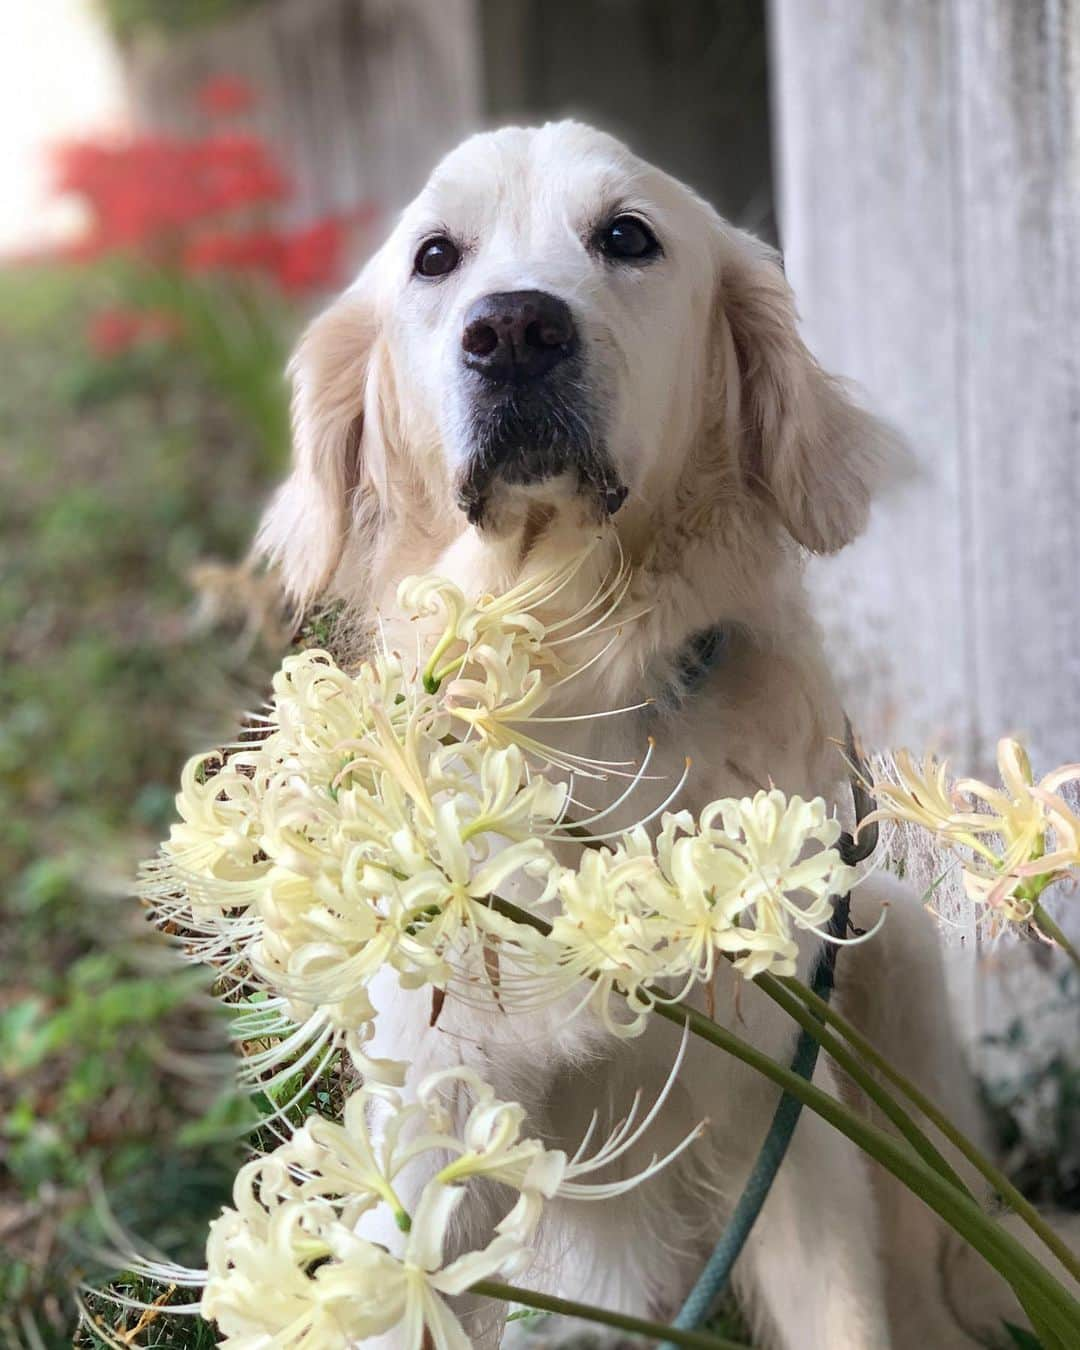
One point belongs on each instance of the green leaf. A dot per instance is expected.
(1021, 1338)
(230, 1117)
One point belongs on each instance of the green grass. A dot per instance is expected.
(115, 478)
(176, 1331)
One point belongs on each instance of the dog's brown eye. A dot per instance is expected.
(628, 238)
(437, 256)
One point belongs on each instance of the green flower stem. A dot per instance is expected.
(1045, 924)
(812, 1022)
(637, 1326)
(996, 1178)
(432, 678)
(1059, 1311)
(1047, 1337)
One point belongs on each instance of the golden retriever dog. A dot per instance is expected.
(558, 341)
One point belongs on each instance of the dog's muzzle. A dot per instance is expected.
(531, 416)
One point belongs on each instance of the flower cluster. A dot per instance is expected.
(412, 821)
(319, 1248)
(147, 191)
(226, 96)
(739, 881)
(303, 260)
(353, 831)
(380, 819)
(355, 834)
(1013, 841)
(112, 332)
(289, 1263)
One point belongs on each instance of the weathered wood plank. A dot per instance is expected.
(1018, 129)
(685, 84)
(929, 185)
(870, 235)
(930, 179)
(361, 97)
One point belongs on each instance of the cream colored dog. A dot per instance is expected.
(559, 338)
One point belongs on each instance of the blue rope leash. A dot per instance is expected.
(713, 1280)
(706, 650)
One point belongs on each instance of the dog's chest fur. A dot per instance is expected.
(760, 711)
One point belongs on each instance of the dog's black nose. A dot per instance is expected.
(517, 335)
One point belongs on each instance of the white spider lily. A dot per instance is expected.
(637, 912)
(607, 930)
(1013, 841)
(351, 837)
(216, 835)
(503, 687)
(286, 1264)
(469, 625)
(490, 1143)
(784, 887)
(286, 1272)
(499, 657)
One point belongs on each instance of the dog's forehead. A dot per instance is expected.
(513, 176)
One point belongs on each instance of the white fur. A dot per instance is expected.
(739, 452)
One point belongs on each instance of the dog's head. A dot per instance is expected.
(554, 321)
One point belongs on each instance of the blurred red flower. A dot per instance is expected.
(244, 250)
(195, 205)
(141, 193)
(307, 259)
(312, 258)
(226, 96)
(112, 332)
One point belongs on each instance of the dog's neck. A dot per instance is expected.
(718, 564)
(713, 632)
(691, 575)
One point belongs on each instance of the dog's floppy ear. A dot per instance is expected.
(306, 525)
(802, 439)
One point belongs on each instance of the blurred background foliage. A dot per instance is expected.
(143, 416)
(107, 684)
(129, 18)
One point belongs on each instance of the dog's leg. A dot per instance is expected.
(810, 1274)
(893, 987)
(520, 1059)
(811, 1267)
(632, 1255)
(637, 1253)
